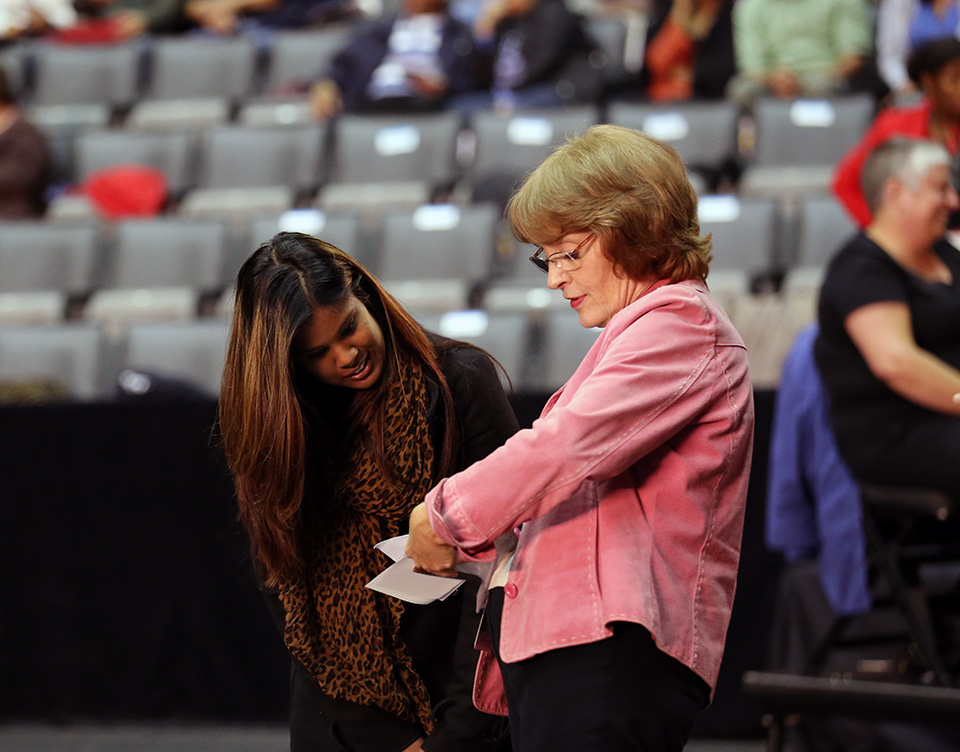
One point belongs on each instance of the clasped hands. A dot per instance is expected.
(428, 551)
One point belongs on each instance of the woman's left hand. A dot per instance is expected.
(427, 549)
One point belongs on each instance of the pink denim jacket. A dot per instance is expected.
(630, 489)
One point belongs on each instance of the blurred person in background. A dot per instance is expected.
(889, 343)
(906, 25)
(536, 53)
(935, 68)
(414, 61)
(25, 166)
(689, 52)
(23, 18)
(228, 17)
(131, 18)
(338, 413)
(794, 48)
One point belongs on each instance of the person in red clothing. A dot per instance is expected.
(935, 68)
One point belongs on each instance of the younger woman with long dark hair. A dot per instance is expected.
(338, 413)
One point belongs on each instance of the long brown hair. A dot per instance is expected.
(270, 411)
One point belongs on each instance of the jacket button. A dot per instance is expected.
(510, 590)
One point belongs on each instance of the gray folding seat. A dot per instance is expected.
(160, 269)
(564, 345)
(249, 169)
(62, 125)
(822, 228)
(68, 355)
(167, 252)
(193, 351)
(745, 232)
(298, 57)
(433, 256)
(194, 81)
(172, 152)
(506, 336)
(508, 146)
(201, 68)
(798, 142)
(44, 256)
(94, 74)
(379, 159)
(704, 133)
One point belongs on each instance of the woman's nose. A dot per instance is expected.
(346, 356)
(556, 277)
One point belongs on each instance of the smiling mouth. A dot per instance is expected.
(361, 371)
(574, 302)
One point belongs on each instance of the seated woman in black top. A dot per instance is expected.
(889, 344)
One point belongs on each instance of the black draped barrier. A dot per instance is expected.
(127, 591)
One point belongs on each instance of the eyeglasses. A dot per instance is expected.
(565, 261)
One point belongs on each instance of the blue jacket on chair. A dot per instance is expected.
(813, 502)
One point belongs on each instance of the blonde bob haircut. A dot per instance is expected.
(630, 190)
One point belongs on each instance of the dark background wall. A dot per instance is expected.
(126, 591)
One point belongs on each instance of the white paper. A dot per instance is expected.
(394, 547)
(400, 581)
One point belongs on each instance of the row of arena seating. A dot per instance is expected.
(538, 348)
(90, 361)
(196, 66)
(441, 261)
(463, 251)
(792, 146)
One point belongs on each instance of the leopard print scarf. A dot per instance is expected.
(345, 634)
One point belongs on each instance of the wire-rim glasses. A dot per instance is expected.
(565, 261)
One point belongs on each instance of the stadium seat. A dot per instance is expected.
(68, 356)
(432, 257)
(798, 142)
(404, 156)
(510, 145)
(90, 74)
(704, 133)
(191, 351)
(171, 152)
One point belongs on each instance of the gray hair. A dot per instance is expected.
(906, 159)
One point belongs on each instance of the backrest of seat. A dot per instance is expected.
(392, 148)
(745, 232)
(704, 133)
(67, 354)
(193, 351)
(438, 242)
(102, 74)
(504, 335)
(809, 131)
(191, 68)
(239, 156)
(38, 256)
(822, 228)
(171, 152)
(300, 56)
(168, 252)
(565, 343)
(514, 144)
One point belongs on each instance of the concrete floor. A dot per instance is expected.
(164, 738)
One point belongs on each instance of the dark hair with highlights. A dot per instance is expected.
(271, 411)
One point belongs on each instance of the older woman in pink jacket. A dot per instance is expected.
(616, 519)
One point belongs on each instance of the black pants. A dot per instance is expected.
(620, 694)
(923, 452)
